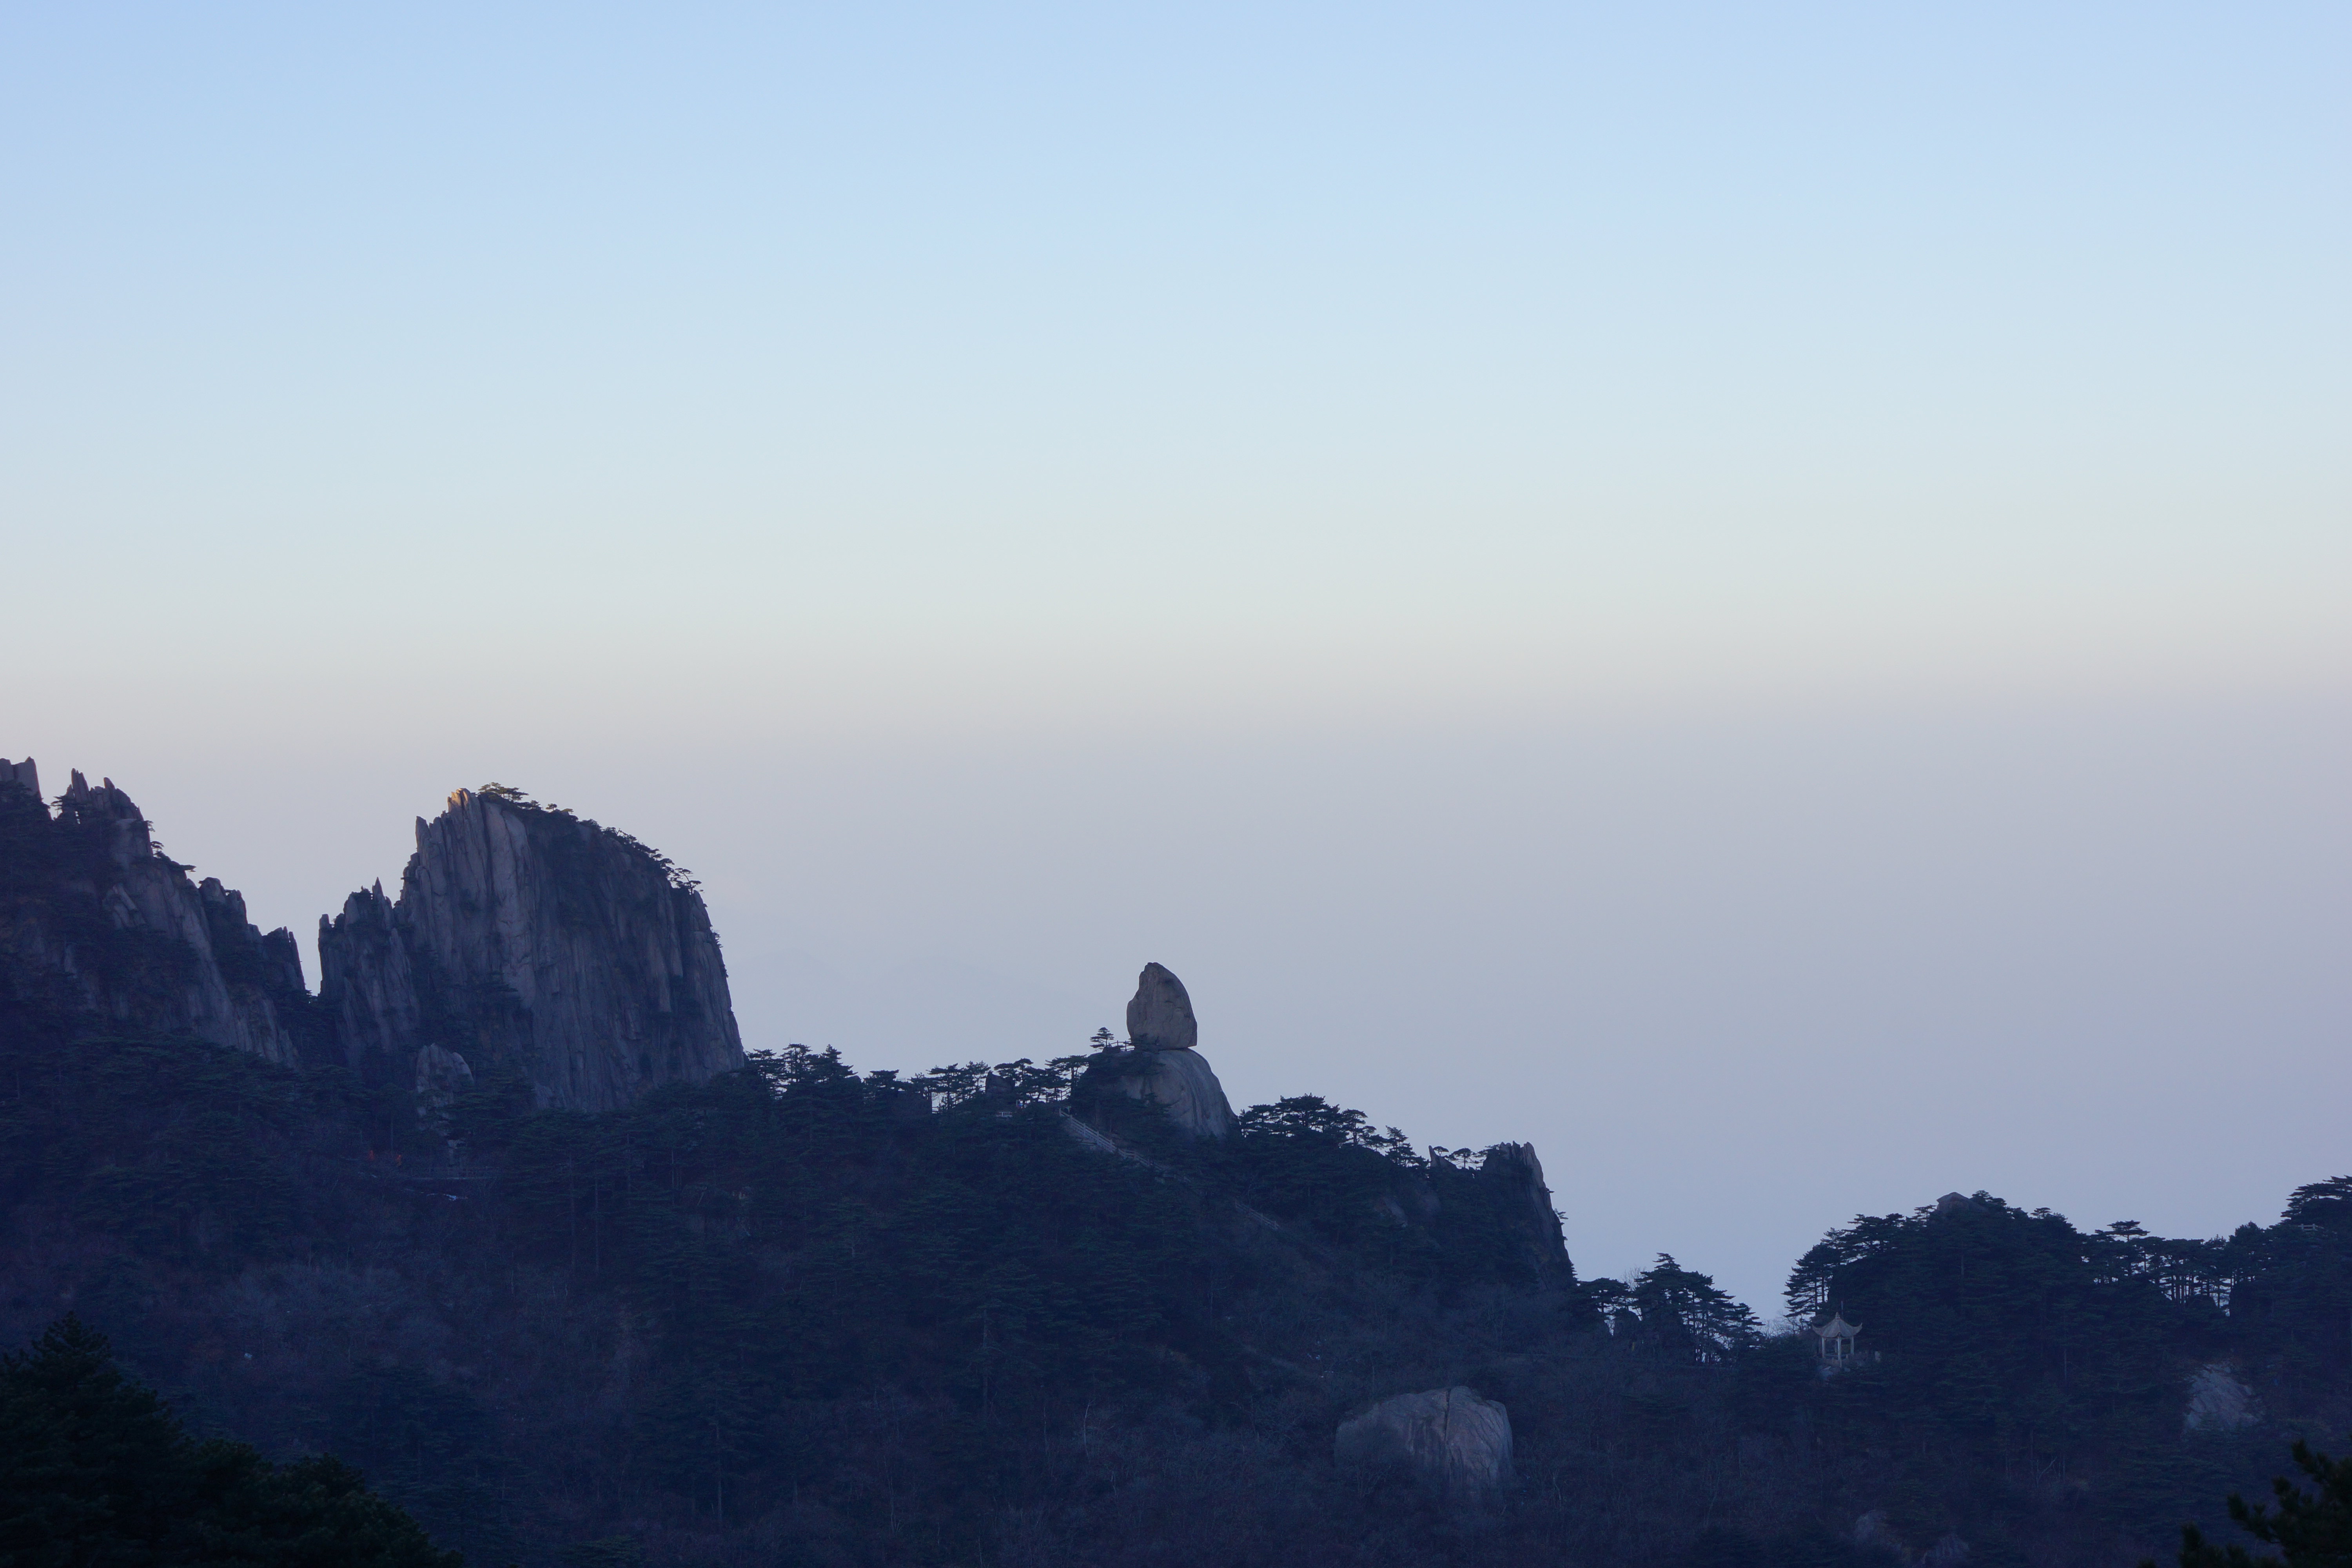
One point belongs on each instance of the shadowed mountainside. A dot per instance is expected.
(528, 940)
(796, 1312)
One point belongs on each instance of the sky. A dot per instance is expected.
(1752, 594)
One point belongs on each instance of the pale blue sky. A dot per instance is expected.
(1335, 498)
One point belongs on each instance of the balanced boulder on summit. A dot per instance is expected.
(1161, 1066)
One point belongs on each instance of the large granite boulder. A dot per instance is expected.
(104, 923)
(1448, 1438)
(529, 939)
(1160, 1016)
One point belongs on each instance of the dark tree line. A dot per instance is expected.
(94, 1468)
(803, 1313)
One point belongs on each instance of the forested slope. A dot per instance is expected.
(800, 1313)
(794, 1311)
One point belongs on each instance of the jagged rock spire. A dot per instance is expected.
(196, 965)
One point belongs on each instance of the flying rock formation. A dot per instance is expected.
(530, 940)
(99, 926)
(1162, 1066)
(1159, 1014)
(1448, 1438)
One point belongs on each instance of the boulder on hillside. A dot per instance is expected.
(1448, 1438)
(2219, 1401)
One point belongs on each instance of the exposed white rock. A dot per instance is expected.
(441, 1077)
(1448, 1437)
(2219, 1402)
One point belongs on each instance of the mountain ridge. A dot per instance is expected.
(525, 939)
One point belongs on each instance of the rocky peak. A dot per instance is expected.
(530, 939)
(104, 923)
(109, 816)
(1513, 1179)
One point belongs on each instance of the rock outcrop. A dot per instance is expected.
(1182, 1084)
(1448, 1438)
(2219, 1401)
(528, 940)
(1161, 1066)
(1512, 1180)
(100, 925)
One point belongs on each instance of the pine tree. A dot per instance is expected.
(1682, 1312)
(87, 1457)
(94, 1468)
(2310, 1529)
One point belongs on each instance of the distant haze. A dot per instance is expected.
(1755, 596)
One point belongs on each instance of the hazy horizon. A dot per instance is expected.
(1750, 977)
(1753, 596)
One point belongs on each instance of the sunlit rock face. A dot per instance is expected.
(101, 923)
(1448, 1438)
(530, 941)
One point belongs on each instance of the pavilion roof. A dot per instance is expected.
(1837, 1327)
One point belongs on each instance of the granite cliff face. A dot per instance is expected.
(95, 920)
(525, 942)
(528, 940)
